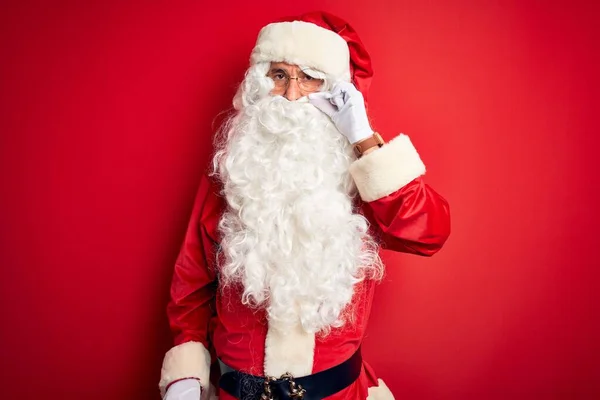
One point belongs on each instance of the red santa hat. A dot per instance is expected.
(318, 40)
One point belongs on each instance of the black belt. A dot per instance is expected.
(311, 387)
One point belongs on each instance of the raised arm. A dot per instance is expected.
(405, 212)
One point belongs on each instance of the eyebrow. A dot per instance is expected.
(286, 73)
(274, 70)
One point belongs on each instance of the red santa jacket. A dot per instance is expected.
(405, 214)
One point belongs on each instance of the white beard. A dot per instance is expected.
(290, 235)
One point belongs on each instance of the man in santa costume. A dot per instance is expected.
(274, 282)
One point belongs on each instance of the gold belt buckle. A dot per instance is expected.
(267, 394)
(296, 391)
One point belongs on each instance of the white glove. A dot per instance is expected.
(345, 106)
(187, 389)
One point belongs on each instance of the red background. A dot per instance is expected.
(105, 117)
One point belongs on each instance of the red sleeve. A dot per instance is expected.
(193, 291)
(405, 213)
(193, 286)
(414, 219)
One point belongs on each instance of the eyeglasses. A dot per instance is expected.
(305, 82)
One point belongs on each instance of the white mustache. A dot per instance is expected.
(303, 99)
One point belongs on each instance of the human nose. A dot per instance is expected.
(292, 92)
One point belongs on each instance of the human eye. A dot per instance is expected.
(305, 77)
(277, 75)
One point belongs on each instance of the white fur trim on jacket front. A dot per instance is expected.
(387, 169)
(289, 350)
(380, 392)
(306, 44)
(188, 360)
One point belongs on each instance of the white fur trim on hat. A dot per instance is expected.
(380, 392)
(306, 44)
(386, 170)
(188, 360)
(290, 350)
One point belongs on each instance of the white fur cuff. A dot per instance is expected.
(380, 392)
(188, 360)
(387, 169)
(306, 44)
